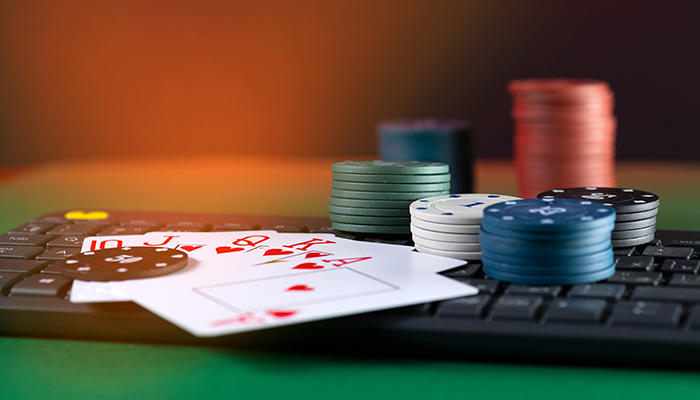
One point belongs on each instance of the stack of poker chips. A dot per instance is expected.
(449, 225)
(547, 241)
(445, 141)
(636, 210)
(564, 134)
(373, 196)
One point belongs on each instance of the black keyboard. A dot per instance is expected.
(648, 313)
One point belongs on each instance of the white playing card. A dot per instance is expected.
(207, 304)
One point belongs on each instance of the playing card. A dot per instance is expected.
(291, 290)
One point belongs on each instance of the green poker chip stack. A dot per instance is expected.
(374, 196)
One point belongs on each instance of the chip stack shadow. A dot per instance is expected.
(564, 134)
(446, 141)
(374, 196)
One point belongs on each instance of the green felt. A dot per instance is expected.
(60, 369)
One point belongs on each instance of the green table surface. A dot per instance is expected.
(65, 369)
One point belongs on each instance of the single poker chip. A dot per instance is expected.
(392, 187)
(363, 228)
(360, 203)
(639, 224)
(633, 233)
(623, 200)
(363, 220)
(445, 237)
(549, 215)
(462, 255)
(587, 262)
(446, 228)
(117, 264)
(555, 236)
(636, 216)
(633, 241)
(363, 195)
(369, 212)
(373, 178)
(447, 246)
(462, 209)
(390, 167)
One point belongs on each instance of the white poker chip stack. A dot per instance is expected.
(448, 225)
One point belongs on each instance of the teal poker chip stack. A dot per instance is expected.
(448, 225)
(432, 140)
(548, 241)
(635, 221)
(373, 196)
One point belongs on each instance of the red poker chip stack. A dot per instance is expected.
(564, 134)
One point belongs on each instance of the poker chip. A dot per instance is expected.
(374, 196)
(430, 140)
(359, 219)
(636, 210)
(373, 178)
(564, 133)
(462, 255)
(462, 209)
(392, 187)
(444, 236)
(390, 167)
(449, 224)
(547, 241)
(362, 228)
(368, 212)
(363, 195)
(116, 264)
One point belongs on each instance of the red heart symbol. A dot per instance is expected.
(309, 265)
(301, 288)
(277, 252)
(227, 249)
(190, 248)
(312, 255)
(281, 313)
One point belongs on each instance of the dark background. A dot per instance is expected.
(312, 78)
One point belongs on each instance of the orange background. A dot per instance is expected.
(89, 78)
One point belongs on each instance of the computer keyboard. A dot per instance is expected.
(648, 313)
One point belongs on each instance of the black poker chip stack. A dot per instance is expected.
(636, 210)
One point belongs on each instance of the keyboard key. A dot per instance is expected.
(636, 278)
(695, 244)
(67, 241)
(611, 291)
(54, 268)
(546, 292)
(485, 286)
(471, 306)
(76, 229)
(694, 317)
(58, 253)
(661, 253)
(516, 307)
(230, 227)
(197, 226)
(7, 279)
(634, 263)
(175, 229)
(647, 313)
(576, 310)
(285, 228)
(24, 239)
(20, 251)
(42, 285)
(36, 228)
(674, 294)
(26, 267)
(625, 251)
(466, 272)
(124, 230)
(682, 266)
(141, 222)
(685, 280)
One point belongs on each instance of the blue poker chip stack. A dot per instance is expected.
(429, 140)
(548, 241)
